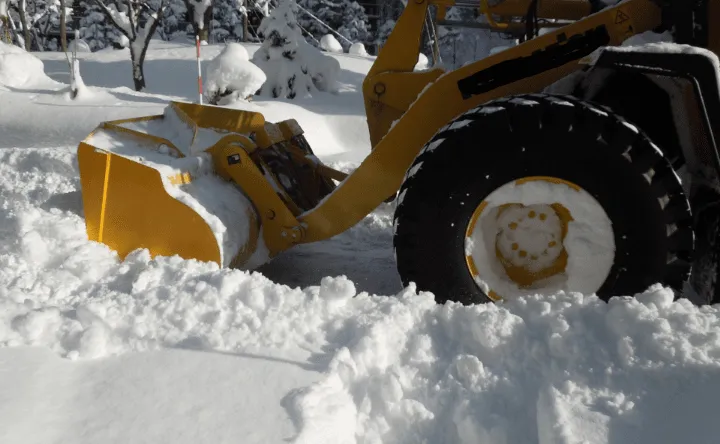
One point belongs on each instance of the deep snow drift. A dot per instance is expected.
(99, 350)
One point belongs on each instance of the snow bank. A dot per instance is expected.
(329, 43)
(555, 369)
(231, 76)
(19, 69)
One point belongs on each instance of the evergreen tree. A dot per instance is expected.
(293, 67)
(227, 23)
(95, 28)
(389, 12)
(287, 74)
(354, 23)
(172, 25)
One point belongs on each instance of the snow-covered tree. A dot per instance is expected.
(346, 17)
(96, 29)
(293, 67)
(129, 22)
(323, 11)
(287, 75)
(354, 23)
(5, 27)
(389, 12)
(227, 22)
(47, 15)
(172, 20)
(200, 13)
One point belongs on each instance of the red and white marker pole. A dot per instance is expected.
(200, 93)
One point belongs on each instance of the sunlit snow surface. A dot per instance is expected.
(98, 350)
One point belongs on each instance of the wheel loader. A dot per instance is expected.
(573, 161)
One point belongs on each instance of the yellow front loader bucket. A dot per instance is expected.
(201, 182)
(150, 183)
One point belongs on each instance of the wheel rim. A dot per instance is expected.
(538, 235)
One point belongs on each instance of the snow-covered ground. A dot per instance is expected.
(322, 345)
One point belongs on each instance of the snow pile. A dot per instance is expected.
(80, 45)
(20, 69)
(358, 49)
(231, 76)
(554, 369)
(292, 66)
(329, 43)
(77, 89)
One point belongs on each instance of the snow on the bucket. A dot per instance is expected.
(231, 76)
(187, 138)
(20, 69)
(222, 205)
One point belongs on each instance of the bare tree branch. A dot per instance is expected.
(110, 17)
(131, 17)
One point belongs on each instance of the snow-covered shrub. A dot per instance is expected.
(19, 68)
(78, 46)
(231, 76)
(358, 48)
(292, 66)
(329, 43)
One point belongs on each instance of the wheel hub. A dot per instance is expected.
(529, 242)
(516, 241)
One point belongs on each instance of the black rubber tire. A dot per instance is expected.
(705, 276)
(542, 135)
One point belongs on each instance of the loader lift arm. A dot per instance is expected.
(392, 95)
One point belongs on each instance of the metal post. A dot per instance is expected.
(197, 45)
